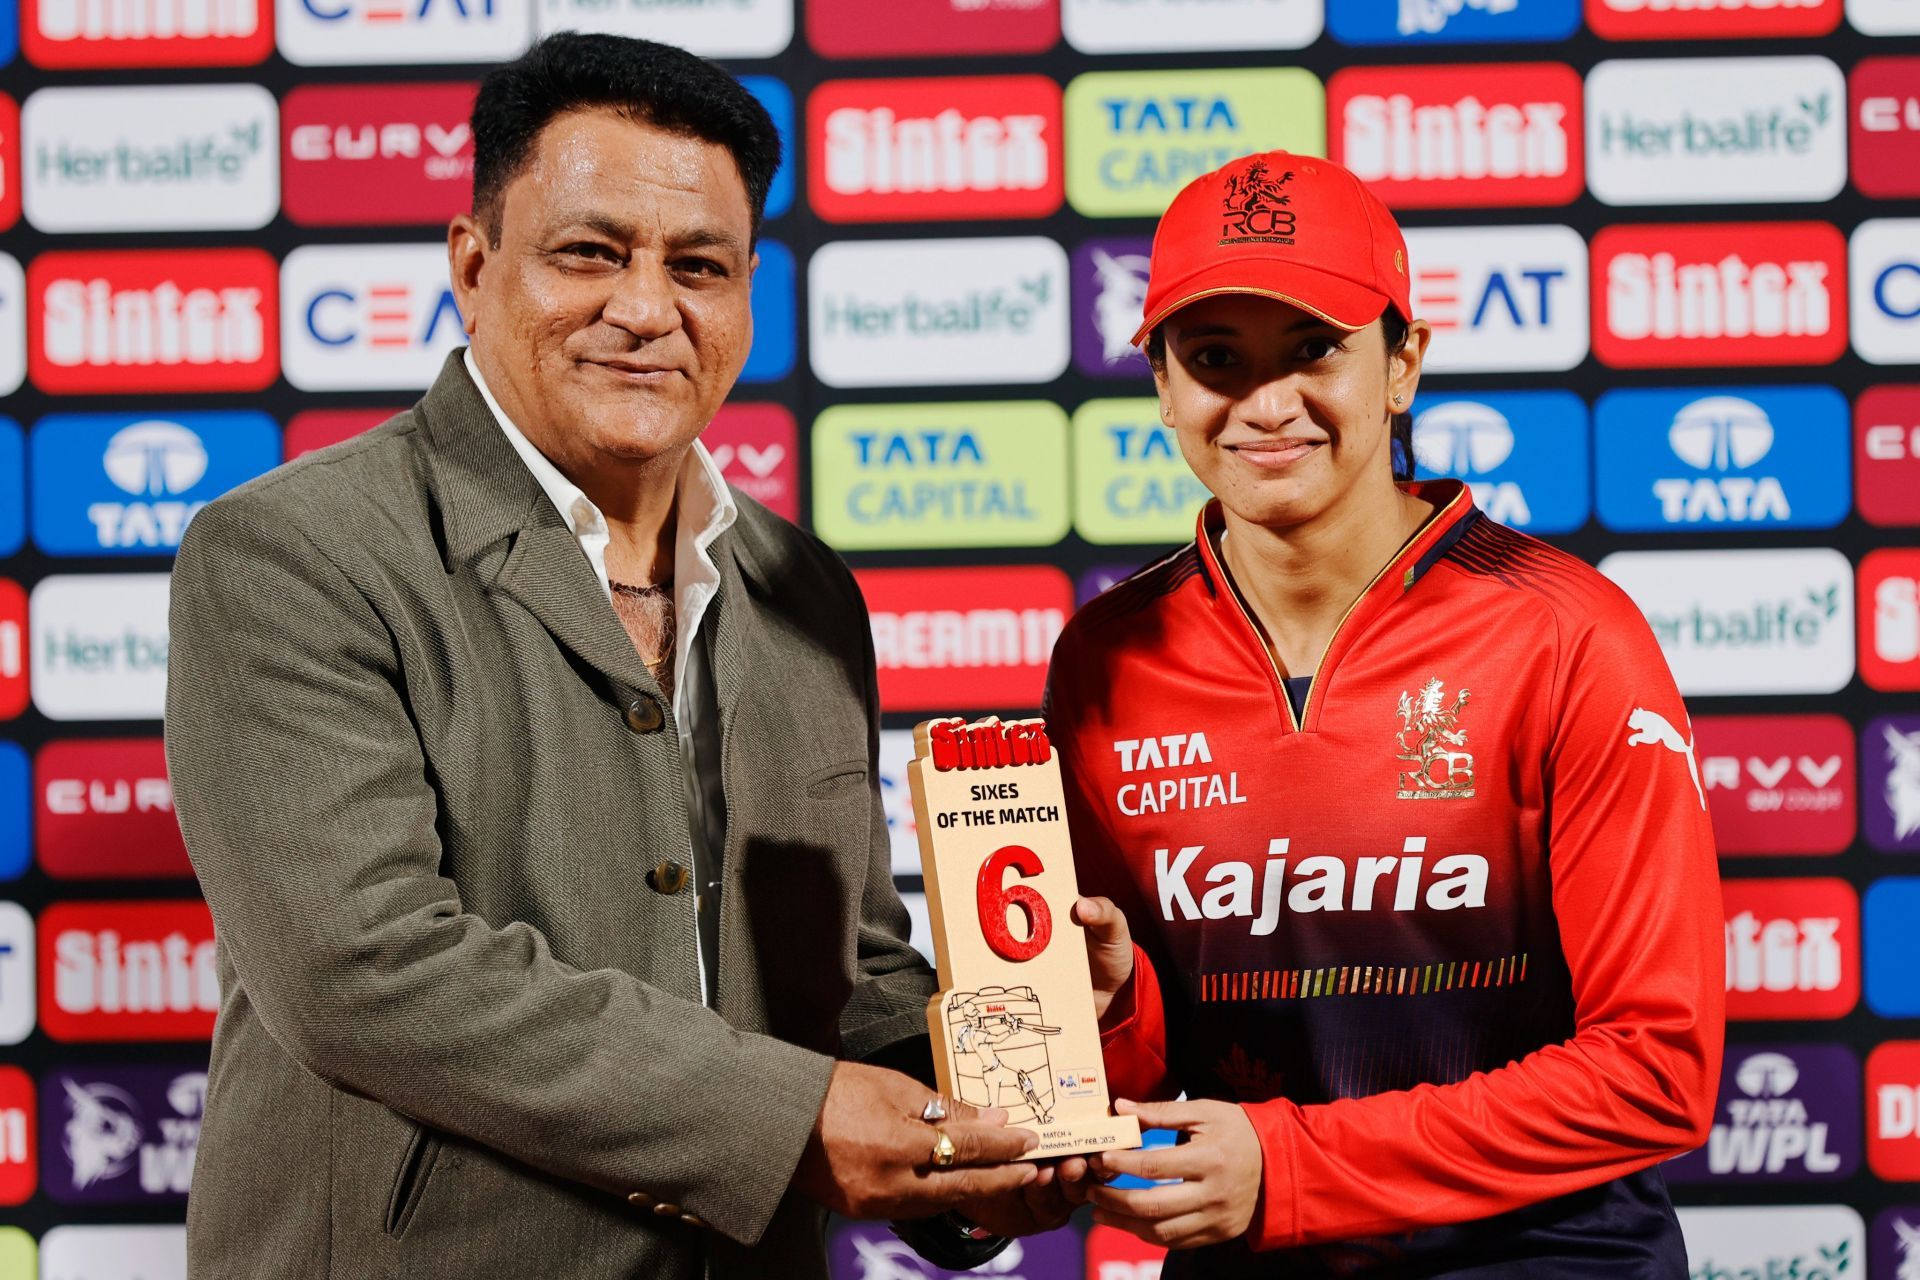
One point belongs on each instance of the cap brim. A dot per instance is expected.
(1335, 299)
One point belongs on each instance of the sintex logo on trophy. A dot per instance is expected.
(1013, 1022)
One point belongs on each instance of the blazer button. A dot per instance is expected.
(692, 1220)
(667, 1210)
(644, 716)
(640, 1200)
(669, 878)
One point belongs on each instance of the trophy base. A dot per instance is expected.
(1084, 1137)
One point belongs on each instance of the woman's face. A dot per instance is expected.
(1279, 413)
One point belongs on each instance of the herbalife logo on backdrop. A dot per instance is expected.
(1785, 621)
(1425, 17)
(1786, 130)
(1009, 310)
(216, 156)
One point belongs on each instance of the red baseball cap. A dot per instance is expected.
(1296, 228)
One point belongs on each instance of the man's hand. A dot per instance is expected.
(1039, 1206)
(871, 1156)
(1219, 1167)
(1109, 951)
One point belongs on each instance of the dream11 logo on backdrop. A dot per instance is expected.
(965, 638)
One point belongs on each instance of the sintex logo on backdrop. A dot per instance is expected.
(70, 34)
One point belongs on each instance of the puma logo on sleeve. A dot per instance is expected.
(1651, 727)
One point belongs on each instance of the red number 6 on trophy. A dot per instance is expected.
(996, 897)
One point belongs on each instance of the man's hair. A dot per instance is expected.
(655, 84)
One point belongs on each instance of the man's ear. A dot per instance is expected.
(466, 256)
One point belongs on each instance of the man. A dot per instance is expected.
(517, 758)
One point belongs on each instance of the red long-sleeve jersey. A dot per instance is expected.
(1451, 935)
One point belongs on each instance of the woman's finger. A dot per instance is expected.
(1184, 1231)
(1157, 1203)
(1156, 1164)
(1182, 1117)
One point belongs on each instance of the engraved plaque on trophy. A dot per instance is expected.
(1013, 1023)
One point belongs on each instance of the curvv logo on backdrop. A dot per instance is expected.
(1523, 453)
(938, 312)
(127, 483)
(1777, 784)
(66, 35)
(1109, 301)
(1890, 783)
(1716, 131)
(377, 155)
(1467, 135)
(1712, 20)
(113, 971)
(100, 646)
(967, 637)
(175, 158)
(1886, 455)
(1500, 299)
(19, 1163)
(1893, 1110)
(1722, 459)
(121, 1134)
(1885, 130)
(1773, 1242)
(868, 1251)
(1793, 949)
(1453, 21)
(325, 33)
(1885, 257)
(1168, 26)
(710, 28)
(757, 448)
(1131, 486)
(1889, 599)
(367, 317)
(104, 809)
(1787, 1113)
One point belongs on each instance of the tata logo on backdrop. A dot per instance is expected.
(128, 483)
(100, 646)
(901, 313)
(377, 155)
(1453, 21)
(970, 638)
(1793, 948)
(173, 158)
(17, 992)
(1500, 299)
(1777, 784)
(367, 317)
(19, 1145)
(900, 476)
(125, 1134)
(14, 644)
(1131, 485)
(13, 324)
(1758, 293)
(127, 971)
(1889, 599)
(1444, 136)
(1746, 622)
(1885, 128)
(710, 28)
(1109, 301)
(1722, 458)
(325, 33)
(1890, 783)
(945, 148)
(1786, 1113)
(1711, 19)
(1886, 455)
(115, 1253)
(1885, 257)
(1815, 1242)
(1523, 453)
(1893, 1110)
(1169, 26)
(932, 28)
(153, 320)
(757, 448)
(1135, 138)
(104, 809)
(67, 35)
(1716, 130)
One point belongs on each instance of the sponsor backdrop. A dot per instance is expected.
(1670, 249)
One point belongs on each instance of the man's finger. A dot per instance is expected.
(1182, 1117)
(977, 1144)
(950, 1186)
(958, 1110)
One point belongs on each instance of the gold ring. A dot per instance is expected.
(943, 1150)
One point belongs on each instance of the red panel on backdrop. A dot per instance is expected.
(1729, 19)
(318, 428)
(965, 639)
(931, 28)
(377, 154)
(1888, 597)
(9, 162)
(14, 687)
(19, 1149)
(1893, 1110)
(1884, 133)
(1886, 454)
(1778, 784)
(70, 34)
(1793, 948)
(104, 808)
(127, 971)
(757, 447)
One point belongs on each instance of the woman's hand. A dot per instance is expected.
(1109, 950)
(1218, 1166)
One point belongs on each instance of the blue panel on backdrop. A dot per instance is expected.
(778, 100)
(1451, 21)
(1523, 452)
(16, 808)
(13, 487)
(775, 314)
(1890, 949)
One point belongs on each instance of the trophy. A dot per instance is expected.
(1013, 1023)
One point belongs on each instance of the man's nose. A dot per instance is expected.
(644, 301)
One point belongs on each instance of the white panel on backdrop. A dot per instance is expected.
(1716, 130)
(1883, 267)
(100, 646)
(904, 313)
(1172, 26)
(17, 993)
(114, 1253)
(1500, 299)
(710, 28)
(896, 751)
(330, 33)
(1885, 17)
(1746, 622)
(13, 324)
(174, 158)
(366, 317)
(1773, 1240)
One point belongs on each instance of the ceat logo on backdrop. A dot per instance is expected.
(1885, 258)
(17, 1011)
(1711, 19)
(1523, 453)
(931, 28)
(9, 162)
(127, 971)
(1773, 1240)
(1889, 597)
(156, 158)
(1890, 783)
(19, 1161)
(1500, 299)
(757, 448)
(1893, 1110)
(868, 1249)
(1454, 21)
(127, 483)
(938, 312)
(1885, 132)
(115, 1253)
(128, 1133)
(710, 28)
(377, 155)
(1168, 26)
(1746, 622)
(1131, 486)
(1777, 784)
(952, 147)
(100, 646)
(1793, 948)
(1756, 293)
(1722, 458)
(65, 35)
(104, 808)
(1135, 138)
(1471, 135)
(325, 33)
(13, 324)
(367, 317)
(967, 638)
(13, 649)
(1886, 455)
(1786, 1113)
(1716, 130)
(1109, 301)
(1112, 1254)
(889, 477)
(153, 320)
(317, 428)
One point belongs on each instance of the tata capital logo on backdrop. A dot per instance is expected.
(1793, 948)
(1778, 784)
(322, 33)
(1893, 1110)
(938, 148)
(1109, 301)
(377, 155)
(1168, 26)
(1500, 299)
(1716, 130)
(938, 312)
(964, 638)
(1885, 260)
(100, 646)
(128, 483)
(757, 448)
(67, 35)
(1746, 622)
(152, 320)
(1809, 1242)
(19, 1146)
(710, 28)
(126, 1134)
(1523, 453)
(127, 971)
(1886, 455)
(936, 28)
(13, 649)
(155, 158)
(1710, 19)
(1885, 131)
(868, 1251)
(1444, 136)
(1890, 783)
(1453, 21)
(104, 809)
(1758, 293)
(1889, 597)
(17, 953)
(1131, 485)
(367, 317)
(1786, 1113)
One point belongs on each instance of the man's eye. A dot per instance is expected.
(701, 267)
(587, 249)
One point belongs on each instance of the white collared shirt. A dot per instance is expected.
(705, 510)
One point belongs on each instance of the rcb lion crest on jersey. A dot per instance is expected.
(1433, 743)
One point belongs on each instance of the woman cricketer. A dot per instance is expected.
(1399, 806)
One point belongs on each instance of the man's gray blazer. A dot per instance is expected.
(424, 779)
